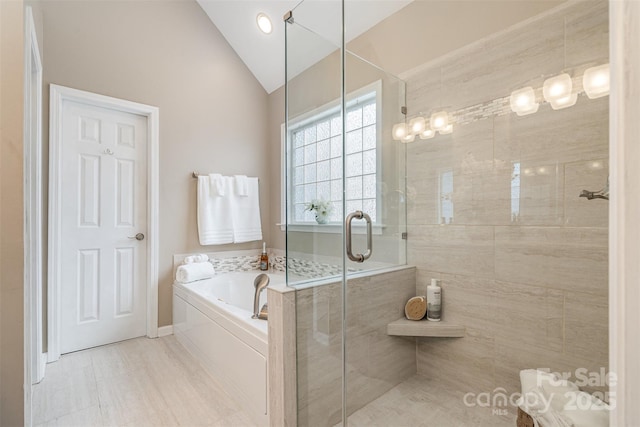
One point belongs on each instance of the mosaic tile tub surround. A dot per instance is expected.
(226, 262)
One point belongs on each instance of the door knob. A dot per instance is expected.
(138, 236)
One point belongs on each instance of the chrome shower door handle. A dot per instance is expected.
(348, 220)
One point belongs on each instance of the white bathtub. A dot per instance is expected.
(212, 319)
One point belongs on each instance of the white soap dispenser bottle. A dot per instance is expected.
(434, 301)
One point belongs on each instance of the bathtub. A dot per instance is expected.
(212, 319)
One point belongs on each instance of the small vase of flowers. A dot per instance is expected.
(321, 208)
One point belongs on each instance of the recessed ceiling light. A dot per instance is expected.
(264, 23)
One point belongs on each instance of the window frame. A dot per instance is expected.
(317, 115)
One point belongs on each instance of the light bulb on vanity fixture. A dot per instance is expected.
(523, 101)
(447, 129)
(400, 131)
(427, 134)
(408, 138)
(558, 91)
(439, 120)
(417, 125)
(595, 81)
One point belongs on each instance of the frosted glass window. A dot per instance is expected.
(354, 188)
(369, 206)
(324, 170)
(310, 191)
(354, 141)
(354, 164)
(317, 160)
(310, 135)
(323, 190)
(354, 205)
(336, 215)
(310, 173)
(369, 114)
(336, 146)
(298, 175)
(336, 189)
(336, 168)
(369, 187)
(354, 119)
(310, 153)
(299, 159)
(369, 162)
(336, 126)
(324, 130)
(324, 150)
(369, 137)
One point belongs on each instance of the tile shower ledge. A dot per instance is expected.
(423, 328)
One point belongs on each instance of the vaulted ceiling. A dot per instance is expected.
(316, 33)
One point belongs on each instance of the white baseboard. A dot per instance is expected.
(163, 331)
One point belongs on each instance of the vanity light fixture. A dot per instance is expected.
(409, 137)
(264, 23)
(447, 130)
(427, 134)
(523, 101)
(439, 120)
(417, 125)
(399, 131)
(595, 81)
(558, 90)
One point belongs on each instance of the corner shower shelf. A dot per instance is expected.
(424, 328)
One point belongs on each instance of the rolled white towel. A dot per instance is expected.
(196, 271)
(196, 258)
(241, 185)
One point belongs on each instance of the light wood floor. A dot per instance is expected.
(144, 382)
(140, 382)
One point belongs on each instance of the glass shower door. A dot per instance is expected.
(345, 214)
(314, 179)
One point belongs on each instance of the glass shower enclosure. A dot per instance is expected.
(500, 204)
(345, 213)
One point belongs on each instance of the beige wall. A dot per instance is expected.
(11, 211)
(213, 113)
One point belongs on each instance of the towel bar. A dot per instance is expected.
(195, 175)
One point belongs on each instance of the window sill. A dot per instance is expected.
(333, 228)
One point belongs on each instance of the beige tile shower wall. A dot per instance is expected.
(376, 362)
(524, 269)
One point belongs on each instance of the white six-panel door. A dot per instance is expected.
(103, 206)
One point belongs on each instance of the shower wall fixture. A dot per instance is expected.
(602, 194)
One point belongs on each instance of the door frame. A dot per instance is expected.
(58, 95)
(624, 210)
(34, 358)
